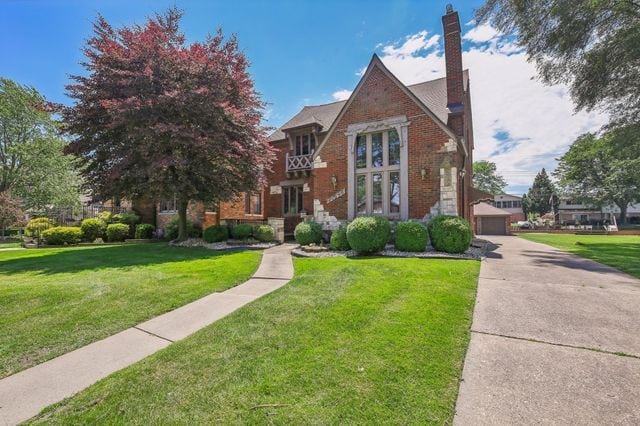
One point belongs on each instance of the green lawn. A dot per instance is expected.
(619, 251)
(355, 341)
(56, 300)
(9, 244)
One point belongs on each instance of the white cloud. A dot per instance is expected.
(342, 95)
(481, 33)
(519, 123)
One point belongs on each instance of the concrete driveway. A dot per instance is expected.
(555, 340)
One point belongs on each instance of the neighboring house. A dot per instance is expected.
(512, 204)
(393, 150)
(490, 220)
(571, 212)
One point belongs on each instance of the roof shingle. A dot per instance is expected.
(432, 93)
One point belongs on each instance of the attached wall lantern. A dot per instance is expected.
(423, 173)
(334, 181)
(462, 173)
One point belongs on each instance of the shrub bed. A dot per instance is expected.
(38, 225)
(117, 232)
(264, 233)
(144, 231)
(92, 229)
(339, 240)
(242, 231)
(171, 229)
(308, 233)
(411, 236)
(368, 234)
(451, 234)
(130, 219)
(216, 233)
(60, 235)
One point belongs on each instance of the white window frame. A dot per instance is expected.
(168, 201)
(401, 125)
(385, 169)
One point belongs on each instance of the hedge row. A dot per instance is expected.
(217, 233)
(370, 234)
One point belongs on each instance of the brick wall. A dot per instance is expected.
(195, 213)
(379, 98)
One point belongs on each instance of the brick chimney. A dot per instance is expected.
(453, 59)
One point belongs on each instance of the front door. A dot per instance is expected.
(292, 207)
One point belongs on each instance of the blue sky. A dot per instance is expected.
(309, 53)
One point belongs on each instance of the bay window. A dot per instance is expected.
(377, 169)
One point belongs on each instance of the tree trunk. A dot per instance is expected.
(623, 212)
(182, 220)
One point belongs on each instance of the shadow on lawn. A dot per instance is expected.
(625, 257)
(74, 259)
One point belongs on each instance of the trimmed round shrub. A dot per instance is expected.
(144, 231)
(92, 229)
(411, 236)
(308, 233)
(451, 234)
(216, 233)
(264, 233)
(368, 234)
(339, 239)
(38, 225)
(130, 219)
(171, 229)
(117, 232)
(107, 217)
(242, 231)
(60, 235)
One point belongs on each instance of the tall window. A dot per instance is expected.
(377, 164)
(305, 144)
(247, 203)
(253, 204)
(169, 205)
(292, 200)
(256, 201)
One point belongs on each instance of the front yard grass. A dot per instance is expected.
(9, 244)
(55, 300)
(619, 251)
(347, 341)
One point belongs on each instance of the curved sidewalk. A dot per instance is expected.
(25, 394)
(555, 340)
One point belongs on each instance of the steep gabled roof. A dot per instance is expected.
(324, 115)
(432, 94)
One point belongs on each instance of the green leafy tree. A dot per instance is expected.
(486, 177)
(540, 194)
(526, 205)
(593, 45)
(155, 116)
(603, 170)
(33, 166)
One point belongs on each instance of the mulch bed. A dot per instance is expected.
(475, 252)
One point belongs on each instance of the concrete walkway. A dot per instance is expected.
(25, 394)
(548, 332)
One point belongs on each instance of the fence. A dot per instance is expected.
(73, 216)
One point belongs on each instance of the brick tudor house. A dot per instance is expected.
(404, 152)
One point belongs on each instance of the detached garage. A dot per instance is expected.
(489, 220)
